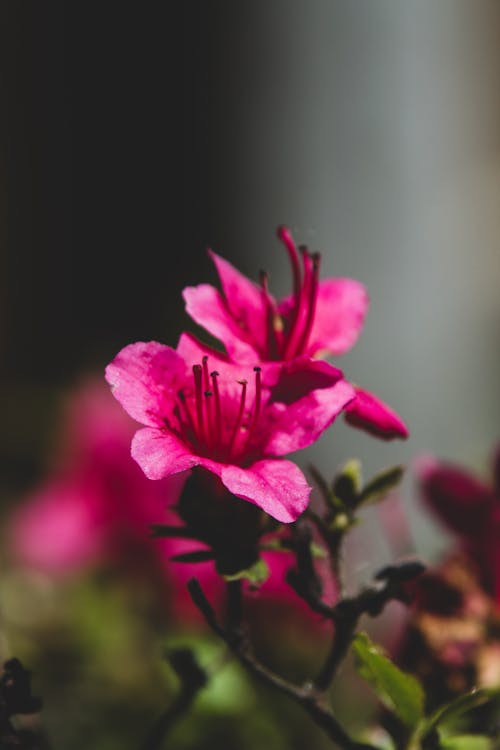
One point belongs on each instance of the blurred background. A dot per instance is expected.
(133, 139)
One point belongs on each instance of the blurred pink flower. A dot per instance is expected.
(199, 412)
(471, 509)
(319, 318)
(95, 505)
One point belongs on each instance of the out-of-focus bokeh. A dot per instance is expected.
(132, 139)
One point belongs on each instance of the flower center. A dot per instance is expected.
(220, 428)
(287, 335)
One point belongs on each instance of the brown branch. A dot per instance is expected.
(193, 679)
(310, 700)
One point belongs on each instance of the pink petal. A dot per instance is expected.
(462, 502)
(340, 312)
(143, 377)
(295, 424)
(192, 350)
(370, 413)
(59, 530)
(207, 308)
(278, 487)
(245, 302)
(160, 454)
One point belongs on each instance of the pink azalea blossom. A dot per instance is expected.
(95, 506)
(470, 508)
(202, 411)
(320, 317)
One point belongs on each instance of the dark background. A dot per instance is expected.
(107, 178)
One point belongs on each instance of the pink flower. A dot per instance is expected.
(199, 410)
(471, 509)
(95, 505)
(318, 318)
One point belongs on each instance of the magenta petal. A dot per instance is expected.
(143, 376)
(192, 350)
(370, 413)
(59, 530)
(296, 425)
(245, 302)
(207, 308)
(160, 454)
(340, 312)
(278, 487)
(462, 502)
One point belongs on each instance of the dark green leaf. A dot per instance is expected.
(378, 487)
(452, 711)
(347, 483)
(256, 574)
(400, 692)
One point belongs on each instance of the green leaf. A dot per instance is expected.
(400, 692)
(452, 711)
(465, 742)
(347, 483)
(378, 487)
(255, 574)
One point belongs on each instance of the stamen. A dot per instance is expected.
(206, 377)
(311, 303)
(285, 236)
(300, 308)
(257, 402)
(209, 436)
(239, 418)
(198, 378)
(187, 414)
(217, 417)
(272, 342)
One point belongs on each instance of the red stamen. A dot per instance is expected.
(198, 385)
(217, 417)
(285, 236)
(209, 423)
(239, 418)
(206, 377)
(311, 303)
(272, 342)
(257, 403)
(300, 308)
(188, 416)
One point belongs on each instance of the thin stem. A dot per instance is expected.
(345, 620)
(312, 702)
(193, 679)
